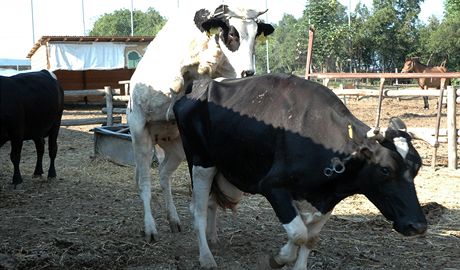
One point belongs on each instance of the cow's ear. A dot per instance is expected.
(205, 21)
(396, 123)
(265, 29)
(363, 152)
(215, 23)
(201, 16)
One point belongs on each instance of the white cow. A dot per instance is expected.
(199, 44)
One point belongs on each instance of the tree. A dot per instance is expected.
(282, 43)
(444, 42)
(331, 36)
(393, 30)
(440, 41)
(452, 8)
(118, 23)
(361, 42)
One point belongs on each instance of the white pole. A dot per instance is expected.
(266, 41)
(33, 23)
(83, 16)
(349, 28)
(132, 19)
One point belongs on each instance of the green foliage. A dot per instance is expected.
(118, 23)
(282, 48)
(377, 39)
(440, 40)
(331, 32)
(452, 8)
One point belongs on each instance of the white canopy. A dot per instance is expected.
(93, 55)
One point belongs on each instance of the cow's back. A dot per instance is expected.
(282, 100)
(171, 49)
(260, 118)
(31, 102)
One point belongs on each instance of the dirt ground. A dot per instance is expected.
(91, 216)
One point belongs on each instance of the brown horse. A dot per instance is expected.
(413, 64)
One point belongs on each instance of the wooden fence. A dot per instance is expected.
(432, 136)
(108, 93)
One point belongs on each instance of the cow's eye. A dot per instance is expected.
(233, 37)
(385, 171)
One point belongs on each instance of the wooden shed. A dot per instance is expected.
(89, 62)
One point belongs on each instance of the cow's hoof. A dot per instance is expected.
(16, 182)
(36, 176)
(151, 237)
(52, 178)
(274, 264)
(175, 227)
(213, 240)
(208, 262)
(17, 188)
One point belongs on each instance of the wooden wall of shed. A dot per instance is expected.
(91, 79)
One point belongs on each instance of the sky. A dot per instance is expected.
(76, 17)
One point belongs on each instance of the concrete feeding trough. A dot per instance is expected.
(114, 143)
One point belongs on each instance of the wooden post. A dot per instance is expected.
(311, 35)
(451, 128)
(109, 104)
(379, 107)
(438, 123)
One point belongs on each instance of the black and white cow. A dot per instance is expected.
(294, 142)
(31, 106)
(217, 42)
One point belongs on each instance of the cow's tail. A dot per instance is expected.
(226, 195)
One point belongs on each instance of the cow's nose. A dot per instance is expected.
(247, 73)
(418, 228)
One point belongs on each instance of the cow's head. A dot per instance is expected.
(387, 178)
(236, 36)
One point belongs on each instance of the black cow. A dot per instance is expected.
(31, 106)
(294, 142)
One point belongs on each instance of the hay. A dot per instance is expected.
(91, 216)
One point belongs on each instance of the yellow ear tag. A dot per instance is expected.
(213, 31)
(261, 38)
(350, 131)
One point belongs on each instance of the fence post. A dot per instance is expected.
(451, 128)
(438, 122)
(379, 106)
(109, 104)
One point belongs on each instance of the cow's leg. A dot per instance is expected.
(211, 229)
(40, 148)
(287, 213)
(231, 197)
(173, 156)
(52, 150)
(314, 222)
(202, 180)
(15, 156)
(288, 253)
(143, 154)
